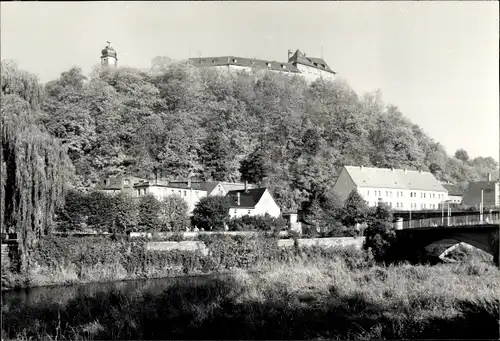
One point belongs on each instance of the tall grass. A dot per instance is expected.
(327, 298)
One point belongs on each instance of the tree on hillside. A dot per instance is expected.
(214, 157)
(253, 169)
(355, 209)
(35, 169)
(211, 213)
(462, 155)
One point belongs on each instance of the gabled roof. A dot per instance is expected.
(318, 63)
(248, 198)
(453, 189)
(394, 178)
(247, 62)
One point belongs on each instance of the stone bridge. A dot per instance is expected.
(411, 243)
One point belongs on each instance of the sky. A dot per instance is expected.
(438, 62)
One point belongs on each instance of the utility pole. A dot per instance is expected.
(481, 207)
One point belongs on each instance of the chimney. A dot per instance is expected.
(290, 54)
(238, 198)
(246, 185)
(489, 176)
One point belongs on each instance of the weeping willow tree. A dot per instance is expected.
(35, 169)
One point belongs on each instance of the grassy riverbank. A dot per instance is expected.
(73, 260)
(322, 299)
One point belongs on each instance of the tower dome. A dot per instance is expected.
(109, 56)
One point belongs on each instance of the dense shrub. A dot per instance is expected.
(73, 216)
(355, 209)
(126, 214)
(98, 211)
(211, 213)
(149, 213)
(380, 233)
(173, 214)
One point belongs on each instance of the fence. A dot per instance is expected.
(457, 220)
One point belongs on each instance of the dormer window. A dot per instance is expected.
(283, 66)
(268, 64)
(126, 182)
(235, 60)
(213, 60)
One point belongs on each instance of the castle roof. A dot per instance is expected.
(108, 51)
(244, 62)
(318, 63)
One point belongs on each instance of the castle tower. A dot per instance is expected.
(108, 56)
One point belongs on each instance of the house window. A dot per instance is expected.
(196, 193)
(139, 192)
(185, 193)
(401, 204)
(424, 195)
(180, 192)
(249, 211)
(173, 191)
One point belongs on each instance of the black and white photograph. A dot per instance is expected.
(250, 170)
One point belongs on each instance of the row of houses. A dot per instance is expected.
(401, 189)
(246, 199)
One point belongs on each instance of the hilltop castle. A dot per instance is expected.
(298, 63)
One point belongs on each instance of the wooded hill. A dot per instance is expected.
(176, 120)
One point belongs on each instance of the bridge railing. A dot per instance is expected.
(488, 218)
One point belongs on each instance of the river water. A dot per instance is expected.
(62, 294)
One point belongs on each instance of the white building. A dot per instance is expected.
(252, 202)
(401, 189)
(455, 194)
(298, 64)
(160, 190)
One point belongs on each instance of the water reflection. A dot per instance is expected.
(62, 294)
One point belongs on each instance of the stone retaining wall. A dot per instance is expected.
(197, 245)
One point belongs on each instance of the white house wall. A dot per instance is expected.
(267, 205)
(402, 199)
(191, 196)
